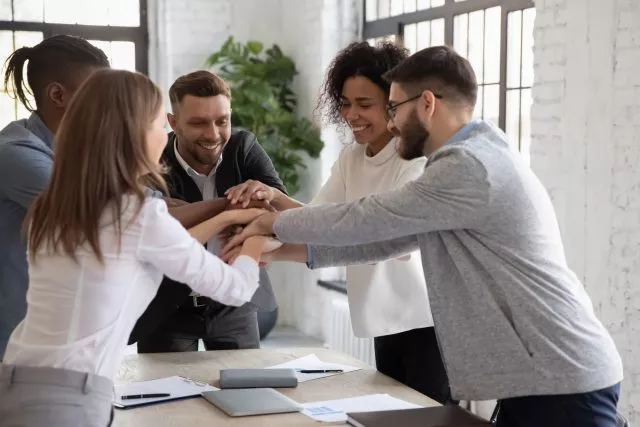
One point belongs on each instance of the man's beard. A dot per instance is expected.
(413, 138)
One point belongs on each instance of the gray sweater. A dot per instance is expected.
(511, 318)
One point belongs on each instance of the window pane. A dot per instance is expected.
(123, 55)
(460, 34)
(410, 37)
(409, 6)
(477, 112)
(27, 38)
(437, 32)
(6, 45)
(476, 43)
(383, 8)
(492, 103)
(424, 4)
(528, 18)
(525, 130)
(512, 121)
(81, 12)
(424, 35)
(7, 109)
(396, 7)
(371, 10)
(513, 49)
(492, 45)
(437, 3)
(5, 10)
(28, 10)
(125, 13)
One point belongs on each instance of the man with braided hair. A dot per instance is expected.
(55, 68)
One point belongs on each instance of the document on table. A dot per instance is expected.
(177, 387)
(312, 362)
(332, 411)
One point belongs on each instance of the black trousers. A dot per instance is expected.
(220, 327)
(592, 409)
(413, 358)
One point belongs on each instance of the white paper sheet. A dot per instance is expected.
(313, 362)
(332, 411)
(177, 386)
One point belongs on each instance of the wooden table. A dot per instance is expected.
(205, 366)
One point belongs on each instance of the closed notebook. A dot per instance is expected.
(258, 378)
(440, 416)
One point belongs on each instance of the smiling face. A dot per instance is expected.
(364, 109)
(203, 127)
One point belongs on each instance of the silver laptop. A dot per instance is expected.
(241, 402)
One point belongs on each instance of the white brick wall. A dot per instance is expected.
(586, 149)
(182, 35)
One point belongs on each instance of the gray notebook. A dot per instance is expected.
(258, 378)
(253, 401)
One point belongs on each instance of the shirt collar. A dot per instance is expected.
(188, 169)
(36, 126)
(464, 131)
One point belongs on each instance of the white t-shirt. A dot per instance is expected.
(391, 296)
(80, 314)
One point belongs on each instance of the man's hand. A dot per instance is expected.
(261, 226)
(243, 194)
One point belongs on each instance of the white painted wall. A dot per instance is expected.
(586, 149)
(184, 32)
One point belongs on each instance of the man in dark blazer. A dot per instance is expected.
(205, 157)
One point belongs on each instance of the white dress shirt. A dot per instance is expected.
(390, 296)
(80, 314)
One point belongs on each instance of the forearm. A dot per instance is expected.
(282, 202)
(289, 252)
(192, 214)
(205, 230)
(331, 256)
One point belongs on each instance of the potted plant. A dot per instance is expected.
(264, 104)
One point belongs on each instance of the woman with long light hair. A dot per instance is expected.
(98, 247)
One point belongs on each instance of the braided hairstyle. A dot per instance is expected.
(54, 59)
(357, 59)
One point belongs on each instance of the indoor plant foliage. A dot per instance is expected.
(264, 104)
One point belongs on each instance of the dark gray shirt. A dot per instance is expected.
(26, 161)
(512, 319)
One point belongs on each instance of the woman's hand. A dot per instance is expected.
(221, 222)
(250, 190)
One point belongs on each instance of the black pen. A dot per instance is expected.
(145, 396)
(320, 371)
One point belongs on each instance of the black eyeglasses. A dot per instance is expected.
(391, 109)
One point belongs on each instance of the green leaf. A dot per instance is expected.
(255, 47)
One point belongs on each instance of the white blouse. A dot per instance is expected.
(390, 296)
(80, 314)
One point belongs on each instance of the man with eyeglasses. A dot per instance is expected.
(513, 322)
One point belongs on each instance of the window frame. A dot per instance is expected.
(138, 35)
(394, 25)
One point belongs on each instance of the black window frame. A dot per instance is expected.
(394, 25)
(138, 35)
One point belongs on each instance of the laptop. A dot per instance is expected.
(239, 402)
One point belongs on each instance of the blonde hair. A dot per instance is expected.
(100, 153)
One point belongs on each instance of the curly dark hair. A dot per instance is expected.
(357, 59)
